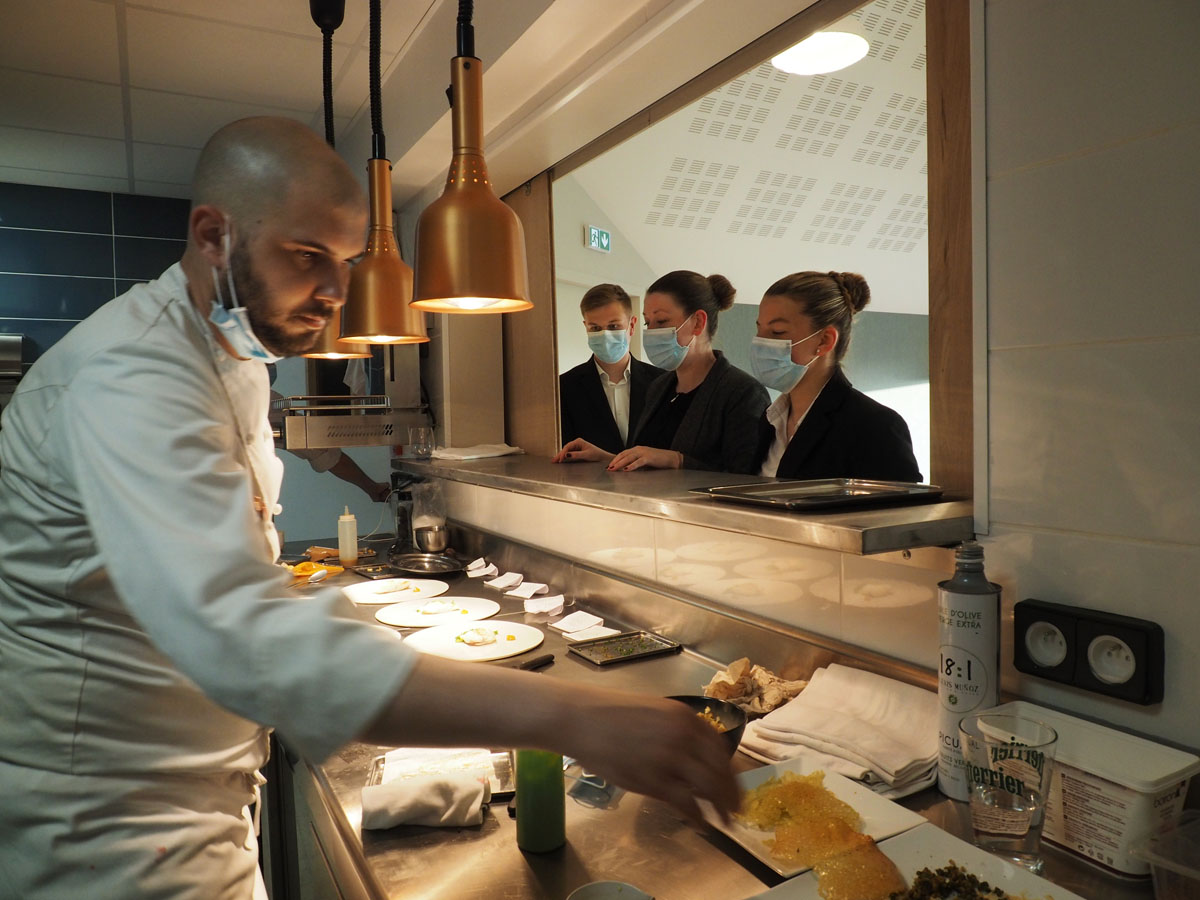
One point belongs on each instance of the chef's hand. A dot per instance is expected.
(646, 458)
(580, 450)
(655, 747)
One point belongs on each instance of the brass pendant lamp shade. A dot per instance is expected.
(377, 307)
(330, 346)
(470, 246)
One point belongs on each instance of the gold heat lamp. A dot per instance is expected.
(470, 247)
(377, 307)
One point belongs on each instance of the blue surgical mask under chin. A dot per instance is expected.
(609, 346)
(232, 319)
(771, 362)
(662, 348)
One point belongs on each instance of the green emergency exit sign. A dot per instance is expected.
(597, 239)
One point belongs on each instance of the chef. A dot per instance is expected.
(148, 640)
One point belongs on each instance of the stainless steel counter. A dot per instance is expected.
(664, 494)
(633, 839)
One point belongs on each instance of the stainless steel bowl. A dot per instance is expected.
(432, 538)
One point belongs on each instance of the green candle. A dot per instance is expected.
(541, 808)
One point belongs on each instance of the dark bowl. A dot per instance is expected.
(732, 719)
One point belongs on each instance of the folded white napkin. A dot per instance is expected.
(874, 722)
(483, 571)
(479, 451)
(506, 581)
(577, 621)
(434, 800)
(586, 634)
(476, 564)
(551, 605)
(526, 589)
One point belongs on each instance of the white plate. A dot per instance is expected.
(393, 590)
(440, 641)
(881, 817)
(928, 847)
(425, 612)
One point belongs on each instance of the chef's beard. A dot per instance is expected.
(269, 327)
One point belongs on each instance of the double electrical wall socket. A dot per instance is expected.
(1099, 651)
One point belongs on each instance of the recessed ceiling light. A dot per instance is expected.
(825, 51)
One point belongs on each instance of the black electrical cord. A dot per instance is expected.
(327, 84)
(378, 143)
(465, 30)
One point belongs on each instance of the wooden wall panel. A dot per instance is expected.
(530, 342)
(950, 245)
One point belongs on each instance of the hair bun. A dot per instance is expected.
(723, 290)
(854, 289)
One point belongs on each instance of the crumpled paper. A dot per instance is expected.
(752, 688)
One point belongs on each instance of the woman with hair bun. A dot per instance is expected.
(704, 412)
(820, 426)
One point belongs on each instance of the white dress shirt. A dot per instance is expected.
(146, 636)
(777, 415)
(617, 393)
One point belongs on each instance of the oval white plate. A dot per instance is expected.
(418, 613)
(440, 641)
(393, 590)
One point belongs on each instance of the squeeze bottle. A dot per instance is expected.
(541, 801)
(968, 659)
(347, 538)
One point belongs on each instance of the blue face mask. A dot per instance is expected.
(662, 348)
(771, 362)
(231, 318)
(609, 346)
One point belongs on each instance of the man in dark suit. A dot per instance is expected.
(599, 399)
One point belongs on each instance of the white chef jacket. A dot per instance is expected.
(146, 636)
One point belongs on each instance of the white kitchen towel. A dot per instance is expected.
(577, 621)
(526, 589)
(483, 571)
(479, 451)
(594, 631)
(506, 581)
(434, 800)
(551, 605)
(873, 721)
(474, 564)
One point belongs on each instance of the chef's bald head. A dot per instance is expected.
(249, 167)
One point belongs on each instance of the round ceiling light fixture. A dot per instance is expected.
(825, 51)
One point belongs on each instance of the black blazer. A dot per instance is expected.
(845, 434)
(583, 407)
(718, 431)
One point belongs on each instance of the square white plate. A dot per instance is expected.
(881, 817)
(928, 847)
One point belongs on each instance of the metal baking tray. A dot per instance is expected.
(618, 648)
(822, 493)
(426, 563)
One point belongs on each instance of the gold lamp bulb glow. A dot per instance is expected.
(470, 246)
(377, 309)
(330, 346)
(825, 51)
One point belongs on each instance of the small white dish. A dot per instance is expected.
(393, 590)
(608, 890)
(426, 612)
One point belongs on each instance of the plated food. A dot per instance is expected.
(431, 611)
(476, 643)
(393, 590)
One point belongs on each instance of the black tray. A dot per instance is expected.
(623, 647)
(823, 493)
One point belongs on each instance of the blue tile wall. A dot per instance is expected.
(64, 253)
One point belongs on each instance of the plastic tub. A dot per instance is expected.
(1109, 789)
(1174, 859)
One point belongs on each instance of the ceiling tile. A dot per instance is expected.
(63, 179)
(162, 118)
(77, 38)
(48, 103)
(162, 189)
(157, 162)
(47, 150)
(211, 59)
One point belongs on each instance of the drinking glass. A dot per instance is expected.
(1008, 762)
(420, 441)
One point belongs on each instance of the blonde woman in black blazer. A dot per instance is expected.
(820, 426)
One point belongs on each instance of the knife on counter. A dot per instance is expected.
(536, 663)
